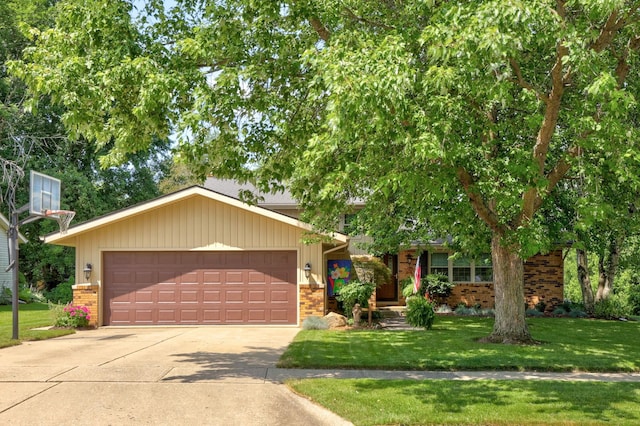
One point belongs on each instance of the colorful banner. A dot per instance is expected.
(339, 273)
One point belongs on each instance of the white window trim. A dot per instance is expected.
(450, 269)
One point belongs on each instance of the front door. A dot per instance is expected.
(389, 291)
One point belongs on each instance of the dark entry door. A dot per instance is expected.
(389, 291)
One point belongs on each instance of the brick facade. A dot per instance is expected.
(311, 300)
(543, 281)
(88, 295)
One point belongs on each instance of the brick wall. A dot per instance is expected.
(543, 280)
(87, 295)
(311, 301)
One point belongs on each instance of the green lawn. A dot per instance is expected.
(566, 345)
(30, 316)
(484, 402)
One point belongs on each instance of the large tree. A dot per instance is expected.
(462, 116)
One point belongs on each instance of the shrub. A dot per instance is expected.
(314, 323)
(354, 292)
(533, 313)
(436, 285)
(420, 312)
(541, 306)
(70, 315)
(634, 299)
(62, 293)
(5, 296)
(611, 308)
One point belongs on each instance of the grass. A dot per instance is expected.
(566, 345)
(30, 316)
(486, 402)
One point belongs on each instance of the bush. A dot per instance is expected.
(5, 296)
(354, 292)
(420, 312)
(314, 323)
(62, 293)
(611, 308)
(70, 316)
(634, 299)
(436, 285)
(533, 313)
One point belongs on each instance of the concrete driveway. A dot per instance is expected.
(111, 376)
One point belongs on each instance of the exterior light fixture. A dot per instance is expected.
(307, 269)
(87, 271)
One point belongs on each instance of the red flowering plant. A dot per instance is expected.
(73, 316)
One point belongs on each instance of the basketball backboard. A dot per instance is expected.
(45, 194)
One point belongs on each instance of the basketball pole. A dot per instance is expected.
(14, 265)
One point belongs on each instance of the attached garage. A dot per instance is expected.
(170, 288)
(198, 257)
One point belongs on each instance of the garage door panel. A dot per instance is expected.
(211, 278)
(143, 296)
(279, 296)
(200, 288)
(233, 277)
(211, 296)
(189, 296)
(234, 315)
(233, 296)
(259, 296)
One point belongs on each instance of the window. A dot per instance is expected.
(349, 224)
(461, 270)
(439, 264)
(483, 269)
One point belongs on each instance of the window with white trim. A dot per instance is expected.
(462, 269)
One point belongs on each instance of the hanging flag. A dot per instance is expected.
(417, 276)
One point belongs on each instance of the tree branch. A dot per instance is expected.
(484, 212)
(532, 198)
(355, 17)
(322, 31)
(525, 84)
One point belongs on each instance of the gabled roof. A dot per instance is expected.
(279, 200)
(193, 191)
(4, 225)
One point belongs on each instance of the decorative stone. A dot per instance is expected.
(335, 320)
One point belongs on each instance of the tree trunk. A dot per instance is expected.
(607, 268)
(582, 265)
(508, 281)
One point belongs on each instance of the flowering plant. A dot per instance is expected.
(73, 316)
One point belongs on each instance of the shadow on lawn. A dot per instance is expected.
(568, 401)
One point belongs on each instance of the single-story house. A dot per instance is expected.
(202, 256)
(6, 277)
(197, 256)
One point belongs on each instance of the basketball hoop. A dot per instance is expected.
(63, 217)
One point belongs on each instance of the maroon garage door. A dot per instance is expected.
(249, 287)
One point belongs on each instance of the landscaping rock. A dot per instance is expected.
(335, 320)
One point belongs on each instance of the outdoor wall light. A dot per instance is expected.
(307, 269)
(87, 271)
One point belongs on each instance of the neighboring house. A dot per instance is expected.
(197, 256)
(473, 279)
(6, 277)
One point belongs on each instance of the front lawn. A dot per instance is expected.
(30, 316)
(567, 345)
(482, 402)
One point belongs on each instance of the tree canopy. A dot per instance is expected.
(467, 117)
